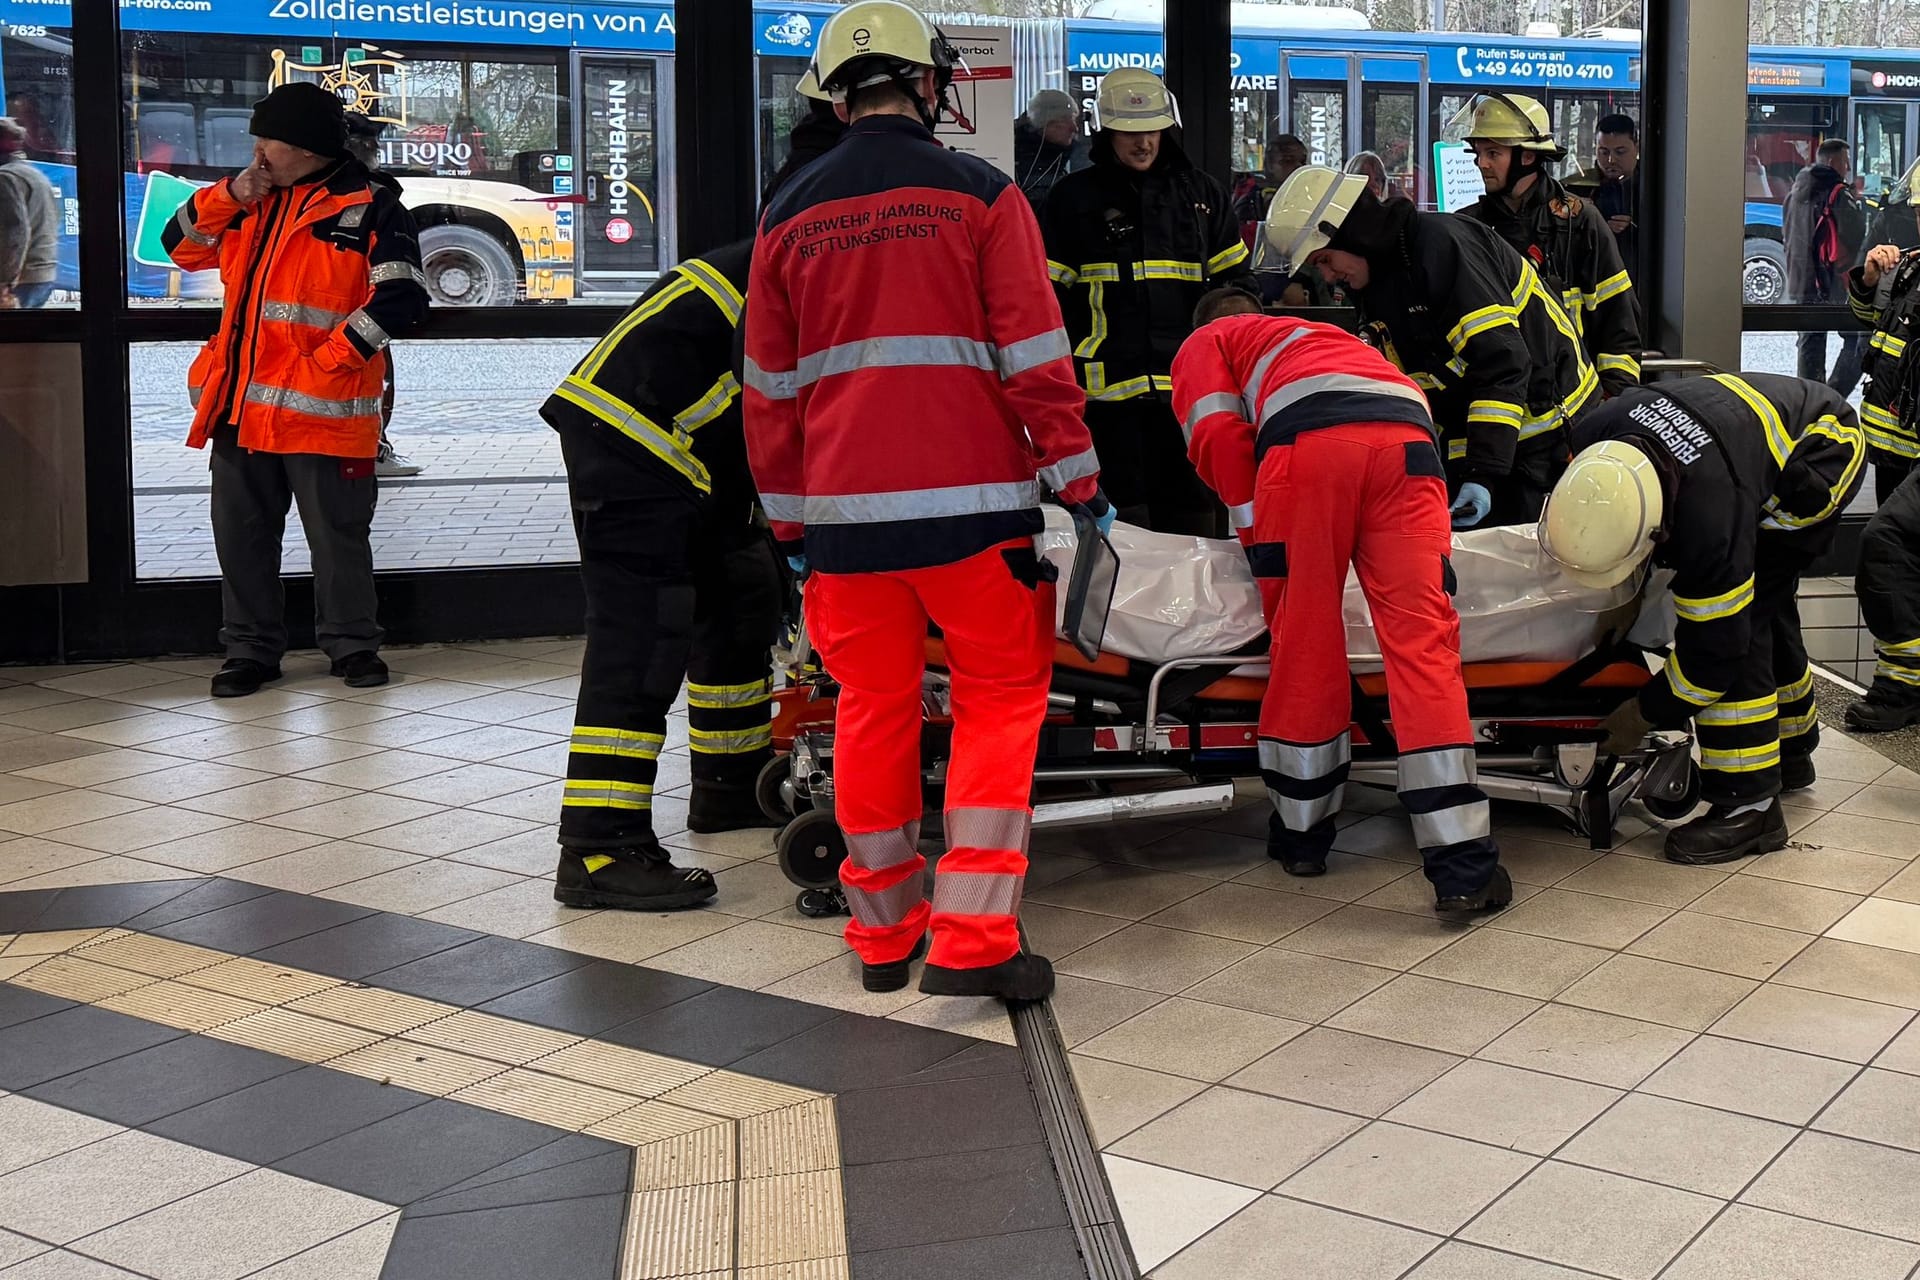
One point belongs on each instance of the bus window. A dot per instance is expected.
(1389, 117)
(36, 68)
(1879, 144)
(1782, 136)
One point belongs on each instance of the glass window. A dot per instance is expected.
(36, 84)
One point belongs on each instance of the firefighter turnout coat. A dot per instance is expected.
(909, 386)
(318, 276)
(1887, 407)
(1568, 241)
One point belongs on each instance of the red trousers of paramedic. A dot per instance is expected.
(1371, 496)
(871, 629)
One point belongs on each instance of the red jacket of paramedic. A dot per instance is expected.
(908, 383)
(1244, 384)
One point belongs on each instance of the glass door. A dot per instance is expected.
(1880, 151)
(1393, 123)
(1317, 115)
(623, 240)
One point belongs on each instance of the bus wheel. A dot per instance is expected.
(1763, 276)
(467, 268)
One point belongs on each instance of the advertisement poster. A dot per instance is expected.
(981, 123)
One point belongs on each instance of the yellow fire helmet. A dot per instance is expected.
(1133, 100)
(1308, 209)
(809, 87)
(888, 30)
(1512, 120)
(1600, 521)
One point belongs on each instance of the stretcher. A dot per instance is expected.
(1148, 729)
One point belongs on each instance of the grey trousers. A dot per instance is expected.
(251, 494)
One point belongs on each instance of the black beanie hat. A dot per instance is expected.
(302, 114)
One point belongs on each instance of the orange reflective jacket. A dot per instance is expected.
(318, 276)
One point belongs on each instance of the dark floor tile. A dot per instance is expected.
(958, 1197)
(555, 1155)
(259, 923)
(97, 906)
(368, 945)
(210, 895)
(20, 910)
(721, 1026)
(909, 1121)
(852, 1051)
(610, 1174)
(479, 971)
(290, 1113)
(20, 1004)
(141, 1087)
(591, 999)
(62, 1043)
(1031, 1255)
(566, 1240)
(418, 1152)
(984, 1059)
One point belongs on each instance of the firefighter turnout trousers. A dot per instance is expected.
(1145, 471)
(1370, 496)
(676, 590)
(1888, 581)
(997, 616)
(1767, 712)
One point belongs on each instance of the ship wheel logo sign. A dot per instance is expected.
(354, 83)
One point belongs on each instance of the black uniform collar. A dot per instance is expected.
(883, 124)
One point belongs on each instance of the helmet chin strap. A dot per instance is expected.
(1515, 175)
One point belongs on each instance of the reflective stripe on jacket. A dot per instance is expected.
(319, 277)
(1889, 405)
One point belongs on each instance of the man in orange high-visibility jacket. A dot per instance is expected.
(1327, 456)
(909, 387)
(321, 267)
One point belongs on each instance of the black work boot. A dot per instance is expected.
(642, 879)
(1796, 773)
(724, 806)
(1492, 896)
(1022, 979)
(242, 676)
(1723, 836)
(891, 977)
(1304, 856)
(362, 670)
(1888, 707)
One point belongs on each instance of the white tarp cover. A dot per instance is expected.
(1183, 597)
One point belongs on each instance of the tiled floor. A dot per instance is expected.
(1639, 1070)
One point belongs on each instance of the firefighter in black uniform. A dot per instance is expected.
(1566, 238)
(1466, 318)
(681, 584)
(1132, 244)
(1884, 291)
(1736, 483)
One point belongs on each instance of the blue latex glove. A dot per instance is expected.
(798, 564)
(1105, 521)
(1472, 506)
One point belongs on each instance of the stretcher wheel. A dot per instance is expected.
(767, 788)
(1672, 808)
(819, 904)
(811, 849)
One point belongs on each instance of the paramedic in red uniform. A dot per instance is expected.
(1327, 458)
(909, 389)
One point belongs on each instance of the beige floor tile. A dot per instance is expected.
(106, 1182)
(1863, 835)
(1292, 984)
(465, 784)
(1084, 1008)
(1897, 803)
(1752, 1079)
(62, 809)
(367, 768)
(530, 853)
(1505, 1106)
(1057, 931)
(1846, 1183)
(1839, 869)
(550, 761)
(436, 1072)
(1679, 1144)
(139, 730)
(1596, 1047)
(1879, 923)
(1349, 877)
(1880, 1106)
(541, 803)
(518, 910)
(320, 866)
(36, 1131)
(325, 715)
(354, 816)
(1437, 1015)
(221, 741)
(1365, 935)
(1661, 884)
(1814, 1022)
(1418, 1179)
(265, 799)
(1904, 886)
(1851, 969)
(81, 713)
(1119, 1099)
(1752, 1244)
(107, 766)
(1458, 1261)
(446, 832)
(389, 1012)
(183, 782)
(1826, 794)
(425, 884)
(1343, 1071)
(1581, 917)
(1153, 959)
(1275, 1237)
(751, 955)
(1166, 1210)
(414, 730)
(981, 1019)
(1900, 776)
(358, 1253)
(836, 984)
(111, 869)
(1116, 890)
(1244, 912)
(30, 856)
(1189, 1038)
(1517, 963)
(1240, 1137)
(1201, 851)
(1850, 762)
(133, 832)
(1389, 836)
(1904, 1053)
(1599, 1221)
(569, 1105)
(72, 978)
(1655, 991)
(632, 937)
(273, 984)
(175, 1004)
(300, 754)
(1412, 894)
(681, 1232)
(415, 693)
(157, 957)
(44, 748)
(1776, 903)
(226, 848)
(1726, 946)
(491, 743)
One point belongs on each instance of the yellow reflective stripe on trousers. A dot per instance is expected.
(1710, 608)
(1798, 726)
(653, 306)
(717, 697)
(1801, 688)
(729, 742)
(1740, 759)
(589, 740)
(1779, 443)
(1897, 673)
(672, 448)
(1685, 689)
(1752, 711)
(593, 793)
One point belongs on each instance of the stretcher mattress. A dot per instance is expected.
(1184, 597)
